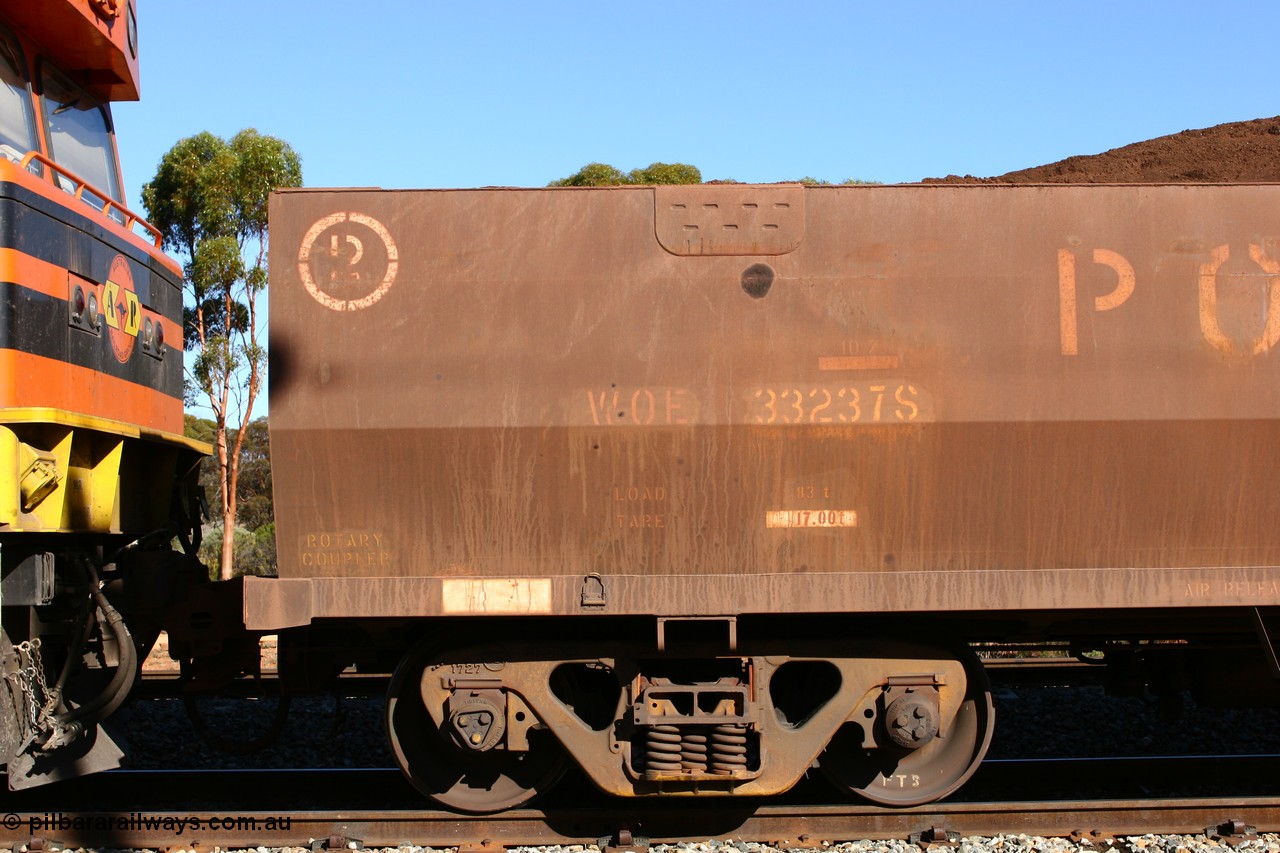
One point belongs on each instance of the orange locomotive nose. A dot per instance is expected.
(96, 478)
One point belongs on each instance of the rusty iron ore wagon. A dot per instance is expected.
(696, 487)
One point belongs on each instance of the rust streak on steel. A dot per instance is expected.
(1048, 403)
(858, 362)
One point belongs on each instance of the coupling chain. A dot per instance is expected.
(34, 687)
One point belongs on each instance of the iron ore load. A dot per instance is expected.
(699, 487)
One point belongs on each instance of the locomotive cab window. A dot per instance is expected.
(79, 133)
(17, 118)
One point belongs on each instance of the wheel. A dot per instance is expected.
(892, 775)
(457, 778)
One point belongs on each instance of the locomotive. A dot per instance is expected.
(96, 478)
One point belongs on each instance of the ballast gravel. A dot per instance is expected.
(1267, 843)
(1039, 722)
(1031, 722)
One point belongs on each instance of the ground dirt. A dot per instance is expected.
(1242, 151)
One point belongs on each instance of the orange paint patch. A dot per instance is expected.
(34, 381)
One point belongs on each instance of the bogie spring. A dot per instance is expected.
(728, 749)
(670, 750)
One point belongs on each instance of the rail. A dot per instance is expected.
(376, 807)
(1004, 672)
(128, 218)
(784, 827)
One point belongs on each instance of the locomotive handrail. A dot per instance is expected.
(108, 204)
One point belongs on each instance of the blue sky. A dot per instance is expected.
(414, 93)
(406, 93)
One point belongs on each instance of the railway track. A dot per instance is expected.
(168, 685)
(377, 808)
(778, 825)
(1005, 672)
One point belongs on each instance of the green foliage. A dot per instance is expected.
(254, 545)
(593, 175)
(604, 175)
(209, 200)
(184, 200)
(847, 182)
(207, 187)
(255, 552)
(255, 508)
(665, 173)
(201, 429)
(260, 559)
(264, 163)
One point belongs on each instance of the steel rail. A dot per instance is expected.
(779, 825)
(1009, 672)
(167, 684)
(379, 809)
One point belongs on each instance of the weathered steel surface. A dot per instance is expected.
(871, 398)
(785, 827)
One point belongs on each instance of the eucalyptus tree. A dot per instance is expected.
(209, 200)
(604, 175)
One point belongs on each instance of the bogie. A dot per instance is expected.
(479, 731)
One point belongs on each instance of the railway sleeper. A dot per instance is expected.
(896, 723)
